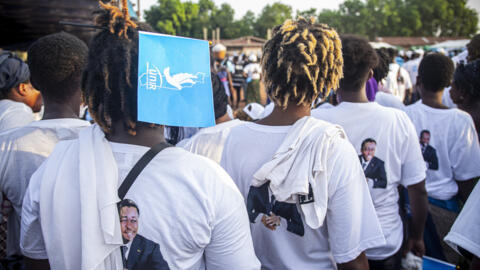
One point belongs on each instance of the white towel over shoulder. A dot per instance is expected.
(85, 184)
(299, 161)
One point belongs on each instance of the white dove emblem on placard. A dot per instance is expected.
(154, 80)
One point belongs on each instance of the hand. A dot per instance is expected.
(416, 246)
(271, 222)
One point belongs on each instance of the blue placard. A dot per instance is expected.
(434, 264)
(174, 84)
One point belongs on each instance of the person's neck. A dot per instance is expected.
(287, 117)
(54, 109)
(223, 119)
(353, 95)
(433, 99)
(145, 135)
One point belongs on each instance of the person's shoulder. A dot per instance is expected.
(177, 158)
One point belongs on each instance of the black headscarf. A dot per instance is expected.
(13, 71)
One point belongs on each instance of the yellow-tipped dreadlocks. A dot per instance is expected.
(301, 61)
(118, 16)
(109, 83)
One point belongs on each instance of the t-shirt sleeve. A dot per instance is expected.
(465, 230)
(350, 206)
(231, 245)
(413, 165)
(465, 153)
(31, 237)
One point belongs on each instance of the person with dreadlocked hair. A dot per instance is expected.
(190, 207)
(300, 175)
(380, 72)
(56, 63)
(395, 150)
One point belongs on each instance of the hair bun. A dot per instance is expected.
(116, 20)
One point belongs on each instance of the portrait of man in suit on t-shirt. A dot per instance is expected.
(137, 252)
(373, 167)
(429, 153)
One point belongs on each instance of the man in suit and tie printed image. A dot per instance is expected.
(138, 252)
(373, 167)
(429, 153)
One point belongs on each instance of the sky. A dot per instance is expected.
(242, 6)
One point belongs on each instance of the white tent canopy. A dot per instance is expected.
(452, 44)
(378, 45)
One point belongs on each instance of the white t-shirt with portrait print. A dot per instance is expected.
(250, 146)
(187, 204)
(453, 135)
(397, 146)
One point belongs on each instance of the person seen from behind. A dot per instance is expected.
(388, 150)
(452, 172)
(189, 205)
(300, 175)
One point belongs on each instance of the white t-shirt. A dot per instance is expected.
(447, 99)
(465, 232)
(23, 150)
(455, 147)
(393, 86)
(412, 68)
(388, 100)
(209, 142)
(253, 70)
(250, 146)
(398, 152)
(188, 206)
(14, 114)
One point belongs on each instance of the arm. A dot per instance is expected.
(465, 188)
(33, 264)
(358, 263)
(419, 207)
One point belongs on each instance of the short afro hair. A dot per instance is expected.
(56, 64)
(382, 68)
(473, 48)
(467, 79)
(358, 59)
(435, 72)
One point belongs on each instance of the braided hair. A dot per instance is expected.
(301, 61)
(467, 78)
(109, 83)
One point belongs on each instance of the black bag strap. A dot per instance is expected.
(139, 166)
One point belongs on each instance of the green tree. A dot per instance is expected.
(307, 13)
(271, 16)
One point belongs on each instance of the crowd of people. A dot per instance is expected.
(357, 161)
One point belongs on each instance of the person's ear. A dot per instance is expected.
(23, 89)
(370, 74)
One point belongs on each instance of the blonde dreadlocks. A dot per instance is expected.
(301, 61)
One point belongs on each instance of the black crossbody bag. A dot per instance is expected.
(139, 166)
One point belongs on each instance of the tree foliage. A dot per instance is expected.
(369, 18)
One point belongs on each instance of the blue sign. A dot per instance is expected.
(174, 84)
